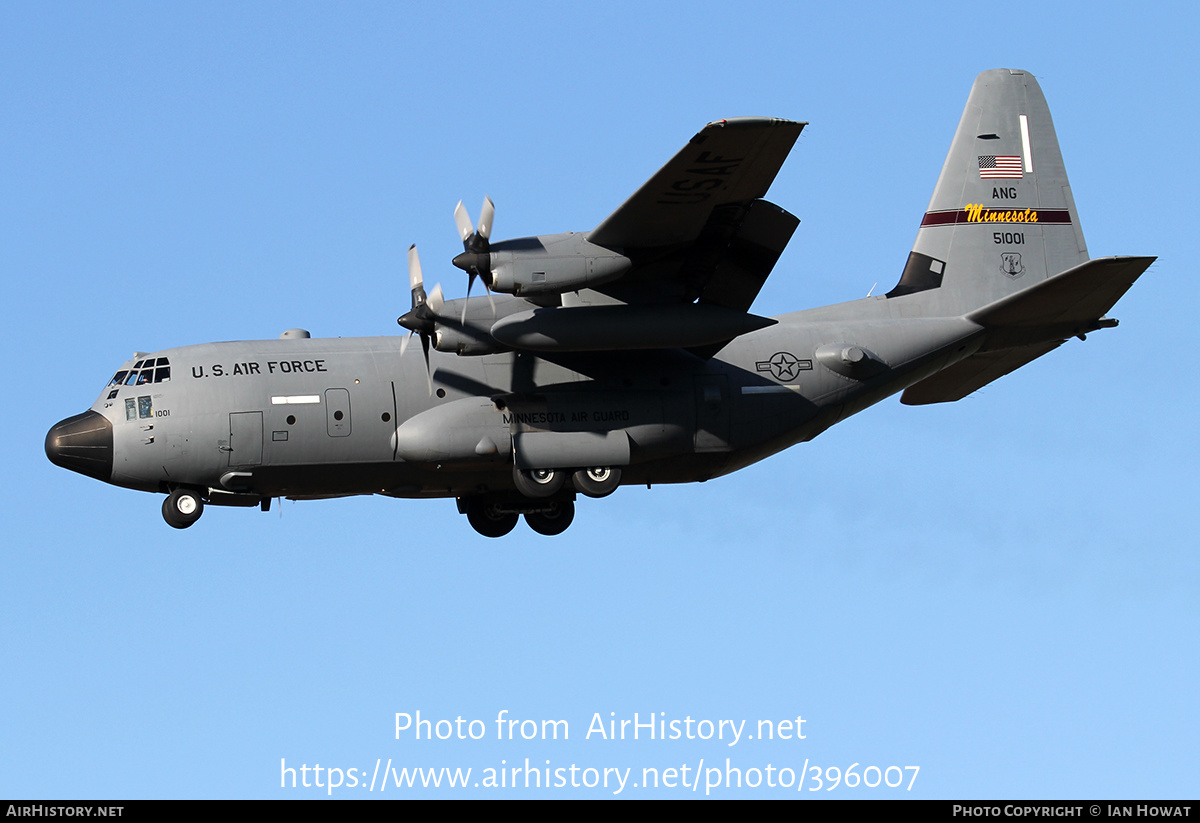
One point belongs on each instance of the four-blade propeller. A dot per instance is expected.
(476, 257)
(422, 318)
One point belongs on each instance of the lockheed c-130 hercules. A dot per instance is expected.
(627, 354)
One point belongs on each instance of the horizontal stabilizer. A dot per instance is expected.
(972, 374)
(1030, 323)
(1075, 298)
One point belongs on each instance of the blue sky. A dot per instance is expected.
(1001, 591)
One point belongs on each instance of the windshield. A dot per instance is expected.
(150, 370)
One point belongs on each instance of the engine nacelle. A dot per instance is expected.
(465, 340)
(552, 264)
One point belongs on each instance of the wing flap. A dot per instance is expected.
(748, 256)
(729, 161)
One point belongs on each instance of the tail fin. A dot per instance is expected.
(1002, 218)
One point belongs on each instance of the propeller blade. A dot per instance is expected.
(486, 215)
(414, 268)
(435, 300)
(417, 318)
(491, 302)
(404, 343)
(428, 373)
(475, 259)
(470, 283)
(463, 221)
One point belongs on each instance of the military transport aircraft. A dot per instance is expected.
(626, 354)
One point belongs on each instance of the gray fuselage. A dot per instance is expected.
(327, 417)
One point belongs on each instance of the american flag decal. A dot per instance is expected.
(1000, 165)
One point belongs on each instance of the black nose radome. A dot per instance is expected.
(84, 444)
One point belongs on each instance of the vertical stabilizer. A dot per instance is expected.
(1002, 218)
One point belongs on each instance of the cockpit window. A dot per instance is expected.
(150, 370)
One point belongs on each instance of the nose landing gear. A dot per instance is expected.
(182, 508)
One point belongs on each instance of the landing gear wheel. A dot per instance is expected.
(552, 521)
(598, 481)
(488, 521)
(182, 508)
(539, 482)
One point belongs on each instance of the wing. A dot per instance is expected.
(698, 229)
(678, 265)
(729, 161)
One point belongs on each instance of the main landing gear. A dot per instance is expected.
(597, 481)
(496, 518)
(552, 519)
(544, 499)
(488, 518)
